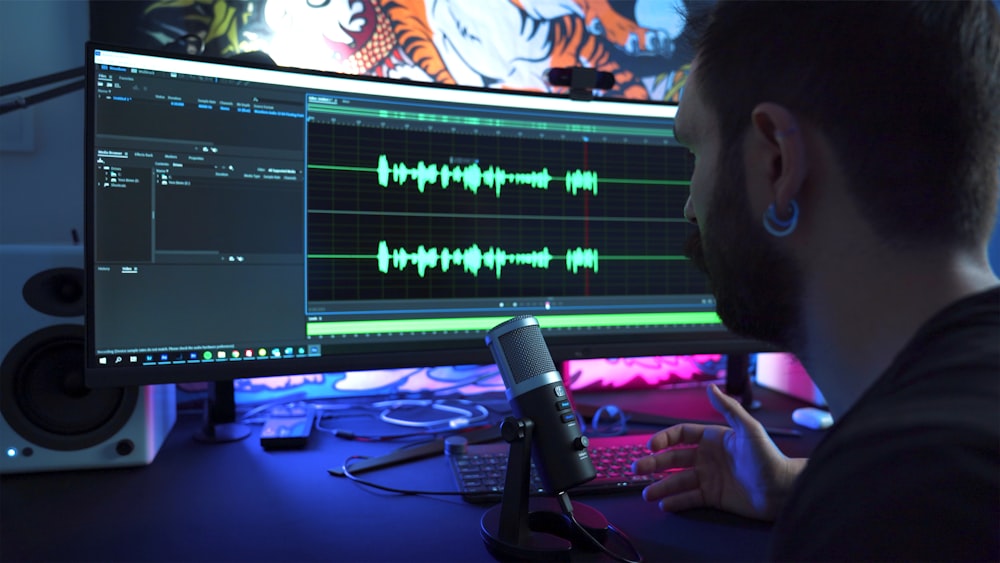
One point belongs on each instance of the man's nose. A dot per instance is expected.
(689, 212)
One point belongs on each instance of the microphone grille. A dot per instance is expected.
(526, 353)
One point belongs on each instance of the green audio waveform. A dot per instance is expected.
(581, 180)
(473, 259)
(473, 177)
(581, 258)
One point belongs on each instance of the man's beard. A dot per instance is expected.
(757, 287)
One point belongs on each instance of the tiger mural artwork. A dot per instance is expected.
(489, 43)
(527, 37)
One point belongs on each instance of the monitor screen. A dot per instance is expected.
(246, 221)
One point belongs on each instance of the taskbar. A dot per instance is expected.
(547, 322)
(203, 355)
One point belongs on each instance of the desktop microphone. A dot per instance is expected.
(535, 391)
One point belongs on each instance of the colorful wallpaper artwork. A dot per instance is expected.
(642, 373)
(486, 43)
(596, 375)
(461, 380)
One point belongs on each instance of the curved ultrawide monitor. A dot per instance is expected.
(246, 221)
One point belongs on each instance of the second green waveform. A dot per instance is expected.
(473, 259)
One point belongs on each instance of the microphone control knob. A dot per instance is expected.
(580, 443)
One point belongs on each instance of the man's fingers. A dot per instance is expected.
(738, 418)
(674, 458)
(686, 433)
(682, 501)
(727, 406)
(677, 491)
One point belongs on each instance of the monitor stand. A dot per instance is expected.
(221, 424)
(738, 381)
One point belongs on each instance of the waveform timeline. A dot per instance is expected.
(404, 213)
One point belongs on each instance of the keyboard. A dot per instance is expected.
(481, 470)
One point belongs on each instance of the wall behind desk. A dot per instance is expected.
(41, 147)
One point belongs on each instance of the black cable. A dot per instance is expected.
(567, 509)
(563, 500)
(347, 473)
(348, 435)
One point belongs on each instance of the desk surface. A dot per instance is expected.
(236, 501)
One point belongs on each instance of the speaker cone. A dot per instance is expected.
(43, 397)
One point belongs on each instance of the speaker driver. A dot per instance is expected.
(56, 291)
(43, 397)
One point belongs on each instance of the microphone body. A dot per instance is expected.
(535, 391)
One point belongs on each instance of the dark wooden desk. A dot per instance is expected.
(234, 501)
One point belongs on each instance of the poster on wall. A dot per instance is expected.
(482, 43)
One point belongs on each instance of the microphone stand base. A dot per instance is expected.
(551, 534)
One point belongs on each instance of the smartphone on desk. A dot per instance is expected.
(288, 427)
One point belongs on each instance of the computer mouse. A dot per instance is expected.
(812, 417)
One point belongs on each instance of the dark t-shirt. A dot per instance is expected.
(912, 471)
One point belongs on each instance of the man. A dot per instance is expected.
(845, 187)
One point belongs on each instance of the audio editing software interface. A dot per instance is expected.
(238, 216)
(444, 207)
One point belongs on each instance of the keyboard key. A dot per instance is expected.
(480, 471)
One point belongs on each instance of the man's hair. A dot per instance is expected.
(907, 92)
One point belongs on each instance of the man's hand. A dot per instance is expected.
(737, 469)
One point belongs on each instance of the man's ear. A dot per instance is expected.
(777, 152)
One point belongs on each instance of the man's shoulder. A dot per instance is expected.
(927, 415)
(913, 469)
(946, 379)
(964, 334)
(896, 492)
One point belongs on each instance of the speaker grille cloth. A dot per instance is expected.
(526, 353)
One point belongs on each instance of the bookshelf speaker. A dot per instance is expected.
(50, 420)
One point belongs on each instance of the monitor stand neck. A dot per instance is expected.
(738, 381)
(221, 424)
